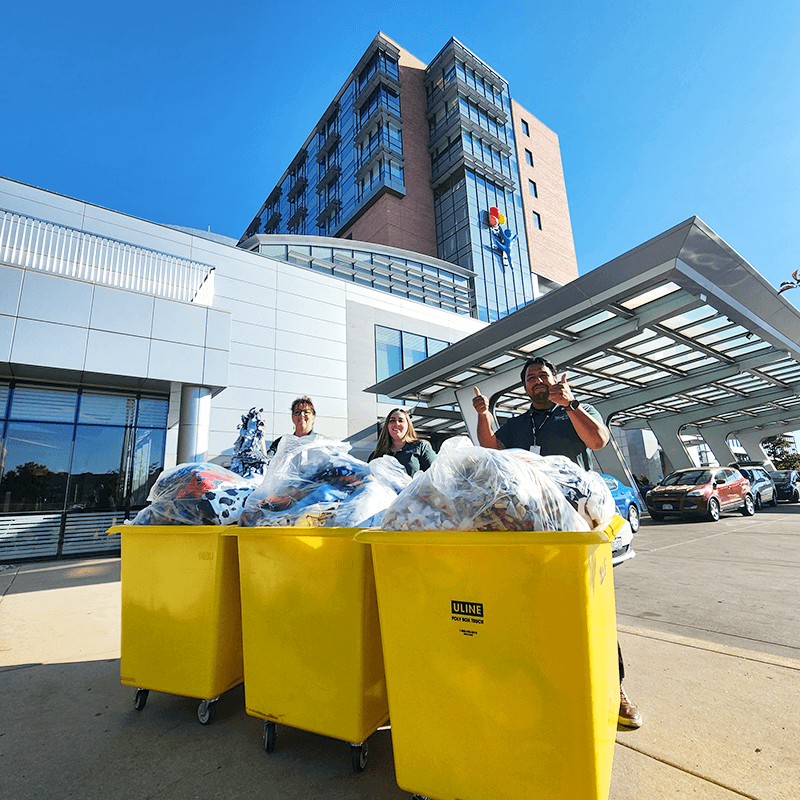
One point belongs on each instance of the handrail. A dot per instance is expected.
(35, 244)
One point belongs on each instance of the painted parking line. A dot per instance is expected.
(688, 541)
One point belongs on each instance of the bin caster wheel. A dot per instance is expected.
(359, 753)
(140, 699)
(270, 732)
(206, 711)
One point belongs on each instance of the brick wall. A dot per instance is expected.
(406, 222)
(551, 249)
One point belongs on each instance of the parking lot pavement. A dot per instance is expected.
(710, 645)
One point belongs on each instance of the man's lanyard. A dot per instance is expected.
(536, 428)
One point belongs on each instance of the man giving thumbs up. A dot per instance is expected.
(555, 425)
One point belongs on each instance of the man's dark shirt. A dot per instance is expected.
(552, 430)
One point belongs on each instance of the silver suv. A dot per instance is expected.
(761, 485)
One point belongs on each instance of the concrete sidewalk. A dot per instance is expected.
(720, 723)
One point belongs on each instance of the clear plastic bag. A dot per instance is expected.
(196, 494)
(474, 488)
(586, 491)
(314, 481)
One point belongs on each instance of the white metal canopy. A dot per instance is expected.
(679, 331)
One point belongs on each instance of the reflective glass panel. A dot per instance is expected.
(148, 459)
(152, 413)
(413, 349)
(98, 467)
(4, 391)
(36, 466)
(107, 409)
(436, 345)
(54, 405)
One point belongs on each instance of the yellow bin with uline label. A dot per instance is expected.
(181, 615)
(312, 647)
(501, 661)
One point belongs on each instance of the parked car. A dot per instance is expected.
(626, 500)
(622, 546)
(787, 484)
(761, 485)
(767, 465)
(627, 503)
(701, 491)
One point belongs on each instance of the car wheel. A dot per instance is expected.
(795, 497)
(749, 507)
(774, 501)
(713, 510)
(759, 504)
(633, 517)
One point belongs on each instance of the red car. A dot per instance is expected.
(701, 491)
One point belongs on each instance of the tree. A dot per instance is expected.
(781, 452)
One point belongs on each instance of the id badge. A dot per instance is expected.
(535, 449)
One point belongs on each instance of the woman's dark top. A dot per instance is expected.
(414, 456)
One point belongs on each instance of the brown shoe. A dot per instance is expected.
(629, 716)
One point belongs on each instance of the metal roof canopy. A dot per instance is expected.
(678, 331)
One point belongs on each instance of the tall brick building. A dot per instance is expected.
(440, 160)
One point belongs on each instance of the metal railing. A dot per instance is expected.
(35, 244)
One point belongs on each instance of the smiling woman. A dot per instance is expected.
(399, 439)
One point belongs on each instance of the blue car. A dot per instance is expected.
(627, 503)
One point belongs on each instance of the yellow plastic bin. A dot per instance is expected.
(501, 661)
(312, 648)
(181, 616)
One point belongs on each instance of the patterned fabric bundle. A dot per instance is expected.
(585, 491)
(314, 481)
(196, 494)
(474, 488)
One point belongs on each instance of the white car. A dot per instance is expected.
(622, 546)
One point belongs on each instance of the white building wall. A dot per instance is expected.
(275, 331)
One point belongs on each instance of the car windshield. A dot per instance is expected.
(781, 476)
(691, 477)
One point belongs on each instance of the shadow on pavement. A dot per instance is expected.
(38, 576)
(70, 730)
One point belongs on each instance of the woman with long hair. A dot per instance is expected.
(399, 439)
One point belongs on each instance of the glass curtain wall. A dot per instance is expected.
(474, 169)
(397, 350)
(69, 449)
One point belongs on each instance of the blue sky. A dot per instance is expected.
(187, 113)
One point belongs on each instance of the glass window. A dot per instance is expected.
(389, 353)
(436, 345)
(532, 188)
(4, 392)
(537, 221)
(273, 250)
(78, 465)
(36, 466)
(414, 349)
(152, 413)
(529, 158)
(97, 479)
(148, 459)
(397, 350)
(107, 409)
(525, 128)
(54, 405)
